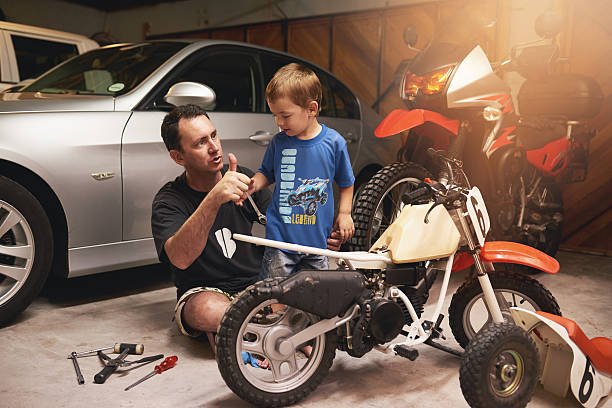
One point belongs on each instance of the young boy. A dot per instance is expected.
(302, 160)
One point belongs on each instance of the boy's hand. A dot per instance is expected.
(344, 224)
(252, 188)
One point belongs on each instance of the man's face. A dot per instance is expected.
(200, 146)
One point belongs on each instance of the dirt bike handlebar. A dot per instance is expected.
(420, 192)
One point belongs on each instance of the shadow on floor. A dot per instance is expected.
(108, 285)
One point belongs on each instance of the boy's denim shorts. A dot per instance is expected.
(280, 264)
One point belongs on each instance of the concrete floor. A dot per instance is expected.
(136, 306)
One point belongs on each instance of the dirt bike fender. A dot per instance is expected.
(324, 293)
(400, 120)
(509, 252)
(563, 364)
(513, 252)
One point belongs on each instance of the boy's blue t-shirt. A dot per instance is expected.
(302, 207)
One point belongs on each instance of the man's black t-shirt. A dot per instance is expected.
(225, 263)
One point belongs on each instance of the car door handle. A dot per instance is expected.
(261, 137)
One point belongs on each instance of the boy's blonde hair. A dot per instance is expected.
(297, 82)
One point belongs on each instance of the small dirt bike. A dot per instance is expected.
(458, 103)
(377, 293)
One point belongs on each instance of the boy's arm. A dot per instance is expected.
(344, 222)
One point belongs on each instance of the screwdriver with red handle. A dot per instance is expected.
(167, 364)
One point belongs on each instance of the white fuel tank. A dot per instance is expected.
(410, 239)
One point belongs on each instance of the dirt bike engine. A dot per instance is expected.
(386, 319)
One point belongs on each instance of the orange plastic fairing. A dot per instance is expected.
(502, 251)
(400, 120)
(462, 260)
(509, 252)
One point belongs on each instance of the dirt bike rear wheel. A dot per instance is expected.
(542, 219)
(468, 314)
(248, 326)
(499, 367)
(379, 202)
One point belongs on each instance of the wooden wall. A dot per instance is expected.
(363, 49)
(588, 205)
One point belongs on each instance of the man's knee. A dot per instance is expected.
(204, 310)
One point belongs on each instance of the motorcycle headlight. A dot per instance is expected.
(430, 84)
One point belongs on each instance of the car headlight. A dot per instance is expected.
(430, 84)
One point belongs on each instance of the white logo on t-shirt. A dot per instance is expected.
(228, 245)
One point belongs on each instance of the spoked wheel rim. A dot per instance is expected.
(16, 251)
(506, 373)
(477, 315)
(263, 336)
(390, 206)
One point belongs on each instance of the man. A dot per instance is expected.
(194, 217)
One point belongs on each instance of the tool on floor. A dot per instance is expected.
(79, 375)
(107, 360)
(117, 348)
(167, 364)
(262, 218)
(110, 366)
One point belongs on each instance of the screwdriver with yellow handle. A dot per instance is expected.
(167, 364)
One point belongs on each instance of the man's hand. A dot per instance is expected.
(344, 224)
(334, 241)
(233, 186)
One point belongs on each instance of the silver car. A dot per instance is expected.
(81, 155)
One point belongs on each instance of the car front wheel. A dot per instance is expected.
(26, 248)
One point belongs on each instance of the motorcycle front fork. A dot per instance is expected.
(483, 278)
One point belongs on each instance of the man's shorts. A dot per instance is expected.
(180, 304)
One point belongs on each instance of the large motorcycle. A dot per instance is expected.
(459, 104)
(379, 295)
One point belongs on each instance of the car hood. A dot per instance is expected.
(39, 102)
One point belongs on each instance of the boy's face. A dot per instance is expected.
(293, 119)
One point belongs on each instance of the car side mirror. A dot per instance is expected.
(183, 93)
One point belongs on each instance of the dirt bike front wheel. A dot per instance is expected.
(468, 314)
(380, 202)
(499, 367)
(249, 325)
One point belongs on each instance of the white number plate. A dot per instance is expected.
(478, 214)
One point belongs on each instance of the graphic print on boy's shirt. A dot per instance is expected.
(309, 195)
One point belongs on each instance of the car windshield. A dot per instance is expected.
(112, 70)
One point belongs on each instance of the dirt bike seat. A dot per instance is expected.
(534, 132)
(598, 349)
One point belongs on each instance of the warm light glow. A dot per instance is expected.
(429, 84)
